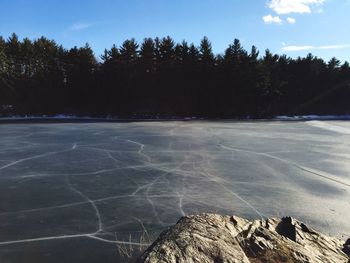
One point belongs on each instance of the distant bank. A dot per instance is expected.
(87, 119)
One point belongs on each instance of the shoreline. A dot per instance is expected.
(78, 119)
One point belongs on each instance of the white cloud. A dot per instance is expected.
(296, 48)
(293, 6)
(79, 26)
(269, 19)
(335, 46)
(303, 48)
(291, 20)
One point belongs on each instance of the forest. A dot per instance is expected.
(162, 78)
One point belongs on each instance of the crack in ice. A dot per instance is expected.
(303, 168)
(91, 235)
(32, 158)
(97, 212)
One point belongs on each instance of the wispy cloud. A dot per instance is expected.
(296, 48)
(283, 7)
(335, 46)
(269, 19)
(80, 26)
(304, 48)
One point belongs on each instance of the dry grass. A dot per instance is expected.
(129, 252)
(279, 255)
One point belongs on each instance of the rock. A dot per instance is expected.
(346, 248)
(214, 238)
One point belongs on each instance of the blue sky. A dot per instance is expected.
(294, 27)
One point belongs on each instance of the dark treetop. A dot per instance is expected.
(162, 78)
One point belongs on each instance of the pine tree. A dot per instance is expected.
(6, 93)
(40, 77)
(148, 55)
(129, 52)
(206, 53)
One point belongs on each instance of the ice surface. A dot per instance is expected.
(71, 192)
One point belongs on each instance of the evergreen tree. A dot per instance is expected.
(6, 93)
(81, 65)
(163, 77)
(206, 52)
(148, 55)
(110, 77)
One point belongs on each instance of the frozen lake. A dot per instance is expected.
(71, 192)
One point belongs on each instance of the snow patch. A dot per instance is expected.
(312, 117)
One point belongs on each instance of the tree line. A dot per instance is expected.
(160, 77)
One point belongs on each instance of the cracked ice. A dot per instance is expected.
(93, 182)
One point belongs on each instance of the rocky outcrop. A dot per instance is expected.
(215, 238)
